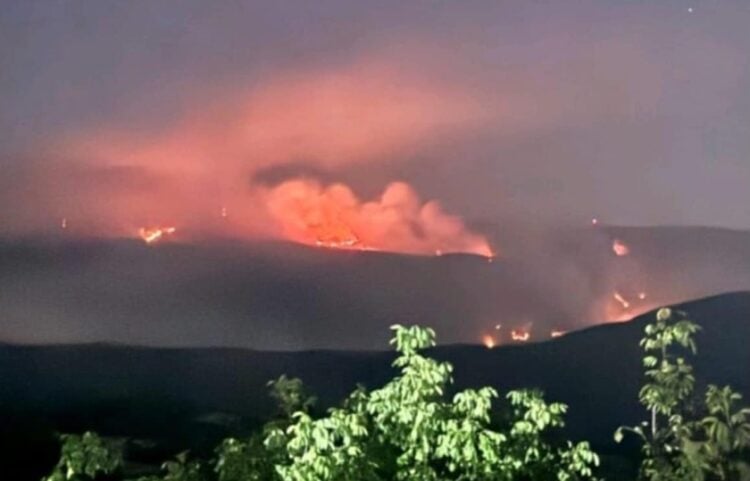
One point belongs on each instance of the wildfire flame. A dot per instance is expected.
(621, 307)
(334, 217)
(620, 248)
(520, 335)
(556, 333)
(488, 341)
(151, 235)
(621, 300)
(334, 234)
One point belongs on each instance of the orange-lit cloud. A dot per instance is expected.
(351, 114)
(204, 162)
(398, 220)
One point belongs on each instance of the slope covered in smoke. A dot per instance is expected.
(174, 394)
(287, 296)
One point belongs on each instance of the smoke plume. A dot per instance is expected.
(398, 220)
(202, 172)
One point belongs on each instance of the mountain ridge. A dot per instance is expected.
(167, 394)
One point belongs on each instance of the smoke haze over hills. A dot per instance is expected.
(287, 296)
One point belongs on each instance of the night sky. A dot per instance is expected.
(635, 111)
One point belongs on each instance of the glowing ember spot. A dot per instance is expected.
(438, 252)
(498, 326)
(620, 248)
(64, 223)
(555, 333)
(623, 302)
(224, 212)
(327, 237)
(151, 235)
(594, 221)
(520, 335)
(489, 342)
(624, 305)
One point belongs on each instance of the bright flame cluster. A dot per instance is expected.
(520, 335)
(399, 221)
(620, 248)
(151, 235)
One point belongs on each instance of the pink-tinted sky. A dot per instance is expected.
(120, 114)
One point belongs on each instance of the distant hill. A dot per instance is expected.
(274, 296)
(164, 393)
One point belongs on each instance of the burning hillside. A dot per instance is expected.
(280, 295)
(398, 221)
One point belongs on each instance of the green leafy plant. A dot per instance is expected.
(290, 396)
(180, 469)
(726, 431)
(678, 445)
(409, 430)
(86, 456)
(252, 459)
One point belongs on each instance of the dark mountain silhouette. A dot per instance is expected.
(171, 394)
